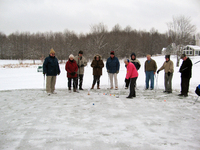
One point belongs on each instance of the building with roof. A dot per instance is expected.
(191, 50)
(169, 50)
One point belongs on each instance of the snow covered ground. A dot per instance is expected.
(153, 120)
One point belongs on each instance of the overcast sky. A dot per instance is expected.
(78, 15)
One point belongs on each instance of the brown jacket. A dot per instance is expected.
(150, 66)
(168, 66)
(97, 65)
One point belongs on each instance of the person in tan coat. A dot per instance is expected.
(81, 63)
(97, 65)
(168, 66)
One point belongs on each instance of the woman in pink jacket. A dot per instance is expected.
(131, 74)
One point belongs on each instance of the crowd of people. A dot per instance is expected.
(75, 72)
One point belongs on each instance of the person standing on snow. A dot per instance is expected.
(186, 74)
(81, 63)
(97, 65)
(131, 75)
(51, 69)
(137, 64)
(71, 68)
(169, 69)
(112, 66)
(150, 68)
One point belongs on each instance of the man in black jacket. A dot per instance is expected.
(186, 74)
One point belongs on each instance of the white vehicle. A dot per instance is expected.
(40, 69)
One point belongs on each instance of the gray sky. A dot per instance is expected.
(78, 15)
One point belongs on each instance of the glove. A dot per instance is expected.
(73, 73)
(82, 65)
(158, 71)
(44, 73)
(168, 73)
(117, 72)
(126, 80)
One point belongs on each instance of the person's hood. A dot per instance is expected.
(100, 58)
(132, 55)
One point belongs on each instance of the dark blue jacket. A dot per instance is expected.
(112, 64)
(51, 66)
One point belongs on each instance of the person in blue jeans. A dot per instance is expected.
(150, 68)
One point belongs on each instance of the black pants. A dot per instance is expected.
(96, 78)
(127, 83)
(74, 82)
(80, 78)
(185, 82)
(132, 87)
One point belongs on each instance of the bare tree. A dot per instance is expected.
(99, 40)
(180, 30)
(117, 28)
(98, 36)
(128, 29)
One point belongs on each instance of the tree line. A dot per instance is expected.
(98, 41)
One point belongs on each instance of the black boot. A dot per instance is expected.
(80, 88)
(129, 96)
(92, 86)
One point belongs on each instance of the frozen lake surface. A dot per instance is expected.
(77, 121)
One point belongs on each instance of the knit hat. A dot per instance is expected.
(182, 56)
(112, 53)
(126, 60)
(52, 51)
(80, 52)
(167, 56)
(71, 56)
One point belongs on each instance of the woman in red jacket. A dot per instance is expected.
(131, 74)
(71, 68)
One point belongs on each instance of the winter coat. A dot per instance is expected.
(168, 66)
(97, 65)
(112, 65)
(150, 65)
(71, 67)
(51, 66)
(81, 62)
(135, 61)
(186, 68)
(131, 71)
